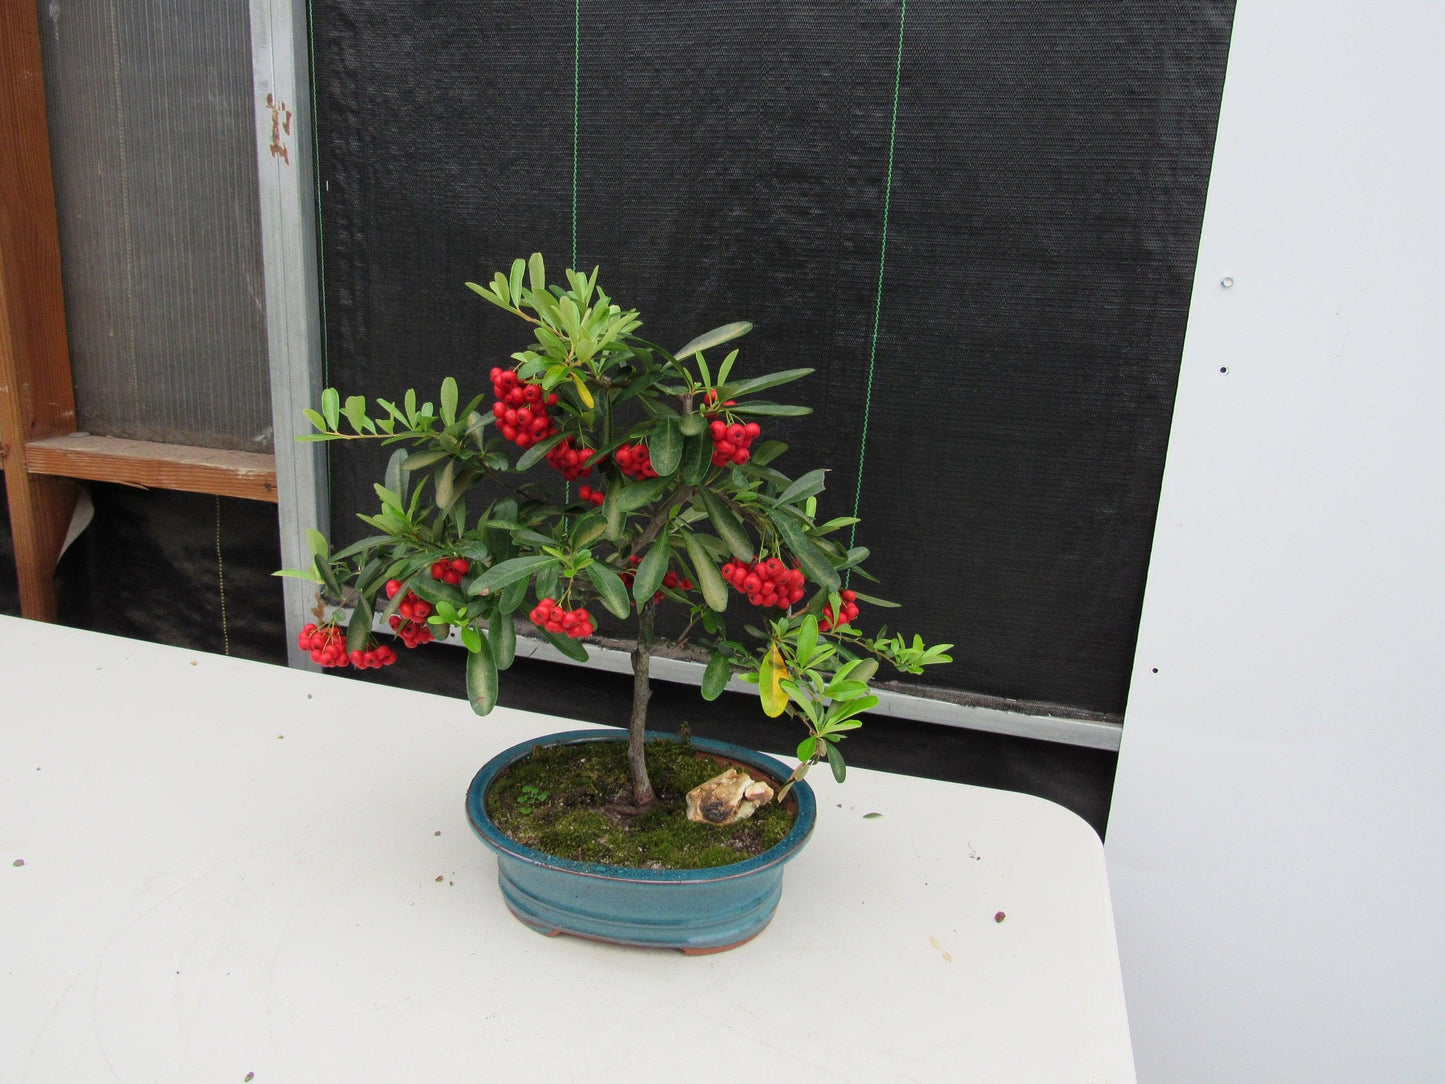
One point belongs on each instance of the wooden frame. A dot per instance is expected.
(36, 397)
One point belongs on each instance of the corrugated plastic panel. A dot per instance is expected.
(153, 145)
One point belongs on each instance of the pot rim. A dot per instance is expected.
(780, 852)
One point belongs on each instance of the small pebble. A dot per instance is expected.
(437, 832)
(439, 878)
(871, 816)
(249, 1076)
(18, 862)
(999, 916)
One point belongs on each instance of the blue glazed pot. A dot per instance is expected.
(695, 910)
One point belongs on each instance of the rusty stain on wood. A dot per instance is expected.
(280, 122)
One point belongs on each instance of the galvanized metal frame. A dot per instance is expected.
(285, 173)
(285, 155)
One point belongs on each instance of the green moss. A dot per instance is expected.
(570, 801)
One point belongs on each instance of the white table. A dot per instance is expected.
(232, 868)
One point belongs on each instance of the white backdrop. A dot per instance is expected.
(1275, 834)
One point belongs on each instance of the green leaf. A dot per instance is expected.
(470, 637)
(835, 761)
(418, 460)
(759, 383)
(652, 569)
(692, 424)
(614, 518)
(610, 589)
(315, 419)
(809, 556)
(502, 632)
(298, 574)
(537, 274)
(319, 546)
(548, 581)
(716, 337)
(449, 401)
(807, 639)
(514, 280)
(771, 410)
(513, 595)
(715, 677)
(487, 294)
(328, 577)
(631, 498)
(507, 572)
(665, 447)
(726, 367)
(444, 484)
(806, 486)
(358, 630)
(355, 411)
(714, 590)
(396, 472)
(331, 408)
(537, 451)
(807, 747)
(696, 458)
(436, 592)
(588, 529)
(573, 649)
(872, 601)
(482, 678)
(767, 451)
(725, 520)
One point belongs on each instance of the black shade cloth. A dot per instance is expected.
(1049, 167)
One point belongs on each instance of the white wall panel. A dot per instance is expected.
(1273, 842)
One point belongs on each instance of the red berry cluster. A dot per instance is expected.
(849, 611)
(450, 570)
(730, 443)
(409, 621)
(766, 583)
(635, 461)
(327, 645)
(521, 409)
(570, 460)
(373, 658)
(575, 623)
(587, 493)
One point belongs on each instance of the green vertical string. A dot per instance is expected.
(576, 96)
(882, 257)
(576, 99)
(320, 228)
(316, 169)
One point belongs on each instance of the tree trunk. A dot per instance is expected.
(642, 795)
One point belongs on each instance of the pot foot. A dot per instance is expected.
(716, 948)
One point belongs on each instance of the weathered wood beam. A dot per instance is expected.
(37, 399)
(250, 475)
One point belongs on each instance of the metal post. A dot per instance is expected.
(285, 171)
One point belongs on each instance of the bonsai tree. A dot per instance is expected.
(671, 499)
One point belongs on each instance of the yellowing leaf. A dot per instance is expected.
(583, 392)
(770, 685)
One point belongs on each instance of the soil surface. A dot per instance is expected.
(573, 801)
